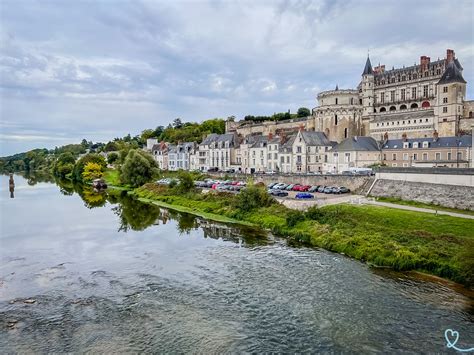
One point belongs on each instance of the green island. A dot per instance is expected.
(380, 236)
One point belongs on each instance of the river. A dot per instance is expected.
(87, 272)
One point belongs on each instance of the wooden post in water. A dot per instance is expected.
(11, 184)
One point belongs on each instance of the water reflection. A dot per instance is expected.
(11, 185)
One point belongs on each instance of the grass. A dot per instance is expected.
(111, 177)
(423, 205)
(403, 240)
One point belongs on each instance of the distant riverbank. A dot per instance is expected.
(402, 240)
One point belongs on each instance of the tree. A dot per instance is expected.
(111, 147)
(91, 171)
(139, 168)
(186, 182)
(177, 123)
(112, 158)
(81, 163)
(303, 112)
(64, 164)
(253, 197)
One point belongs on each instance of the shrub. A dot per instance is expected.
(293, 217)
(92, 171)
(253, 197)
(186, 182)
(138, 169)
(112, 158)
(314, 213)
(81, 163)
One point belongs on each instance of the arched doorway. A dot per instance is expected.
(425, 104)
(383, 109)
(403, 107)
(393, 108)
(414, 106)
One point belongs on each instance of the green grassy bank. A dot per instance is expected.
(423, 205)
(403, 240)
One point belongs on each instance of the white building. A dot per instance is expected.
(354, 152)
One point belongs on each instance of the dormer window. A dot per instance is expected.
(415, 144)
(425, 144)
(406, 145)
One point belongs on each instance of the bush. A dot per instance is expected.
(64, 165)
(92, 171)
(138, 169)
(112, 158)
(81, 163)
(253, 197)
(293, 217)
(186, 182)
(314, 213)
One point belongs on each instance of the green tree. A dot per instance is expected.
(253, 197)
(92, 171)
(111, 147)
(186, 182)
(64, 164)
(303, 112)
(139, 168)
(112, 158)
(81, 163)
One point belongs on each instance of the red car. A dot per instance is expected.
(305, 188)
(296, 188)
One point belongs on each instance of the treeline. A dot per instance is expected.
(281, 116)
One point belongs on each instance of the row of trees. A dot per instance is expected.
(281, 116)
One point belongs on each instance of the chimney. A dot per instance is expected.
(270, 136)
(301, 128)
(404, 137)
(435, 136)
(385, 136)
(424, 62)
(449, 55)
(282, 137)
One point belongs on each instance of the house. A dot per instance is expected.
(218, 151)
(354, 152)
(309, 151)
(180, 156)
(453, 152)
(160, 154)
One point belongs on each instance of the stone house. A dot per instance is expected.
(160, 154)
(354, 152)
(309, 151)
(218, 151)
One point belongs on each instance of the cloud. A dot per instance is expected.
(100, 70)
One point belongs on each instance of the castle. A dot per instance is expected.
(410, 102)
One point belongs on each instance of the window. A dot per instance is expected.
(336, 101)
(415, 144)
(415, 156)
(298, 159)
(445, 100)
(438, 71)
(347, 157)
(425, 144)
(405, 156)
(345, 132)
(275, 156)
(282, 160)
(402, 94)
(392, 80)
(413, 93)
(406, 145)
(352, 101)
(445, 89)
(288, 160)
(445, 110)
(382, 97)
(298, 149)
(335, 120)
(425, 156)
(449, 156)
(425, 90)
(438, 156)
(392, 95)
(394, 156)
(459, 156)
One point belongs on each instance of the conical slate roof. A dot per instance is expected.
(452, 74)
(368, 67)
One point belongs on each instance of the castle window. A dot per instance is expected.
(425, 90)
(352, 101)
(414, 105)
(415, 156)
(449, 155)
(425, 104)
(438, 156)
(394, 156)
(383, 82)
(445, 89)
(393, 108)
(404, 78)
(402, 94)
(438, 71)
(415, 76)
(382, 97)
(445, 100)
(345, 132)
(415, 144)
(470, 114)
(425, 156)
(425, 144)
(335, 120)
(445, 110)
(383, 109)
(413, 93)
(392, 95)
(392, 80)
(377, 124)
(426, 73)
(336, 100)
(360, 101)
(403, 107)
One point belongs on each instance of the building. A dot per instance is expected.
(179, 156)
(160, 154)
(218, 151)
(453, 152)
(353, 152)
(309, 151)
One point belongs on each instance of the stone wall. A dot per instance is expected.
(454, 196)
(358, 184)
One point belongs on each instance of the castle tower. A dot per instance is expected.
(367, 96)
(451, 89)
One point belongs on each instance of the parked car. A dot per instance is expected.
(271, 185)
(278, 193)
(289, 187)
(296, 187)
(304, 195)
(328, 190)
(335, 190)
(270, 172)
(344, 190)
(230, 171)
(212, 170)
(313, 188)
(321, 188)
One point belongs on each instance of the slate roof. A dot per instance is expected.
(357, 143)
(215, 138)
(287, 147)
(441, 142)
(368, 67)
(452, 74)
(313, 138)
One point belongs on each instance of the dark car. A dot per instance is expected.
(304, 195)
(335, 190)
(271, 185)
(279, 193)
(212, 170)
(230, 171)
(344, 190)
(313, 188)
(321, 188)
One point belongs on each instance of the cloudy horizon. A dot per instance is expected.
(99, 70)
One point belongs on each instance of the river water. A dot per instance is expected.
(87, 272)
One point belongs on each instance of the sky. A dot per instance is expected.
(102, 69)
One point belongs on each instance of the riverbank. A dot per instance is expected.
(381, 236)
